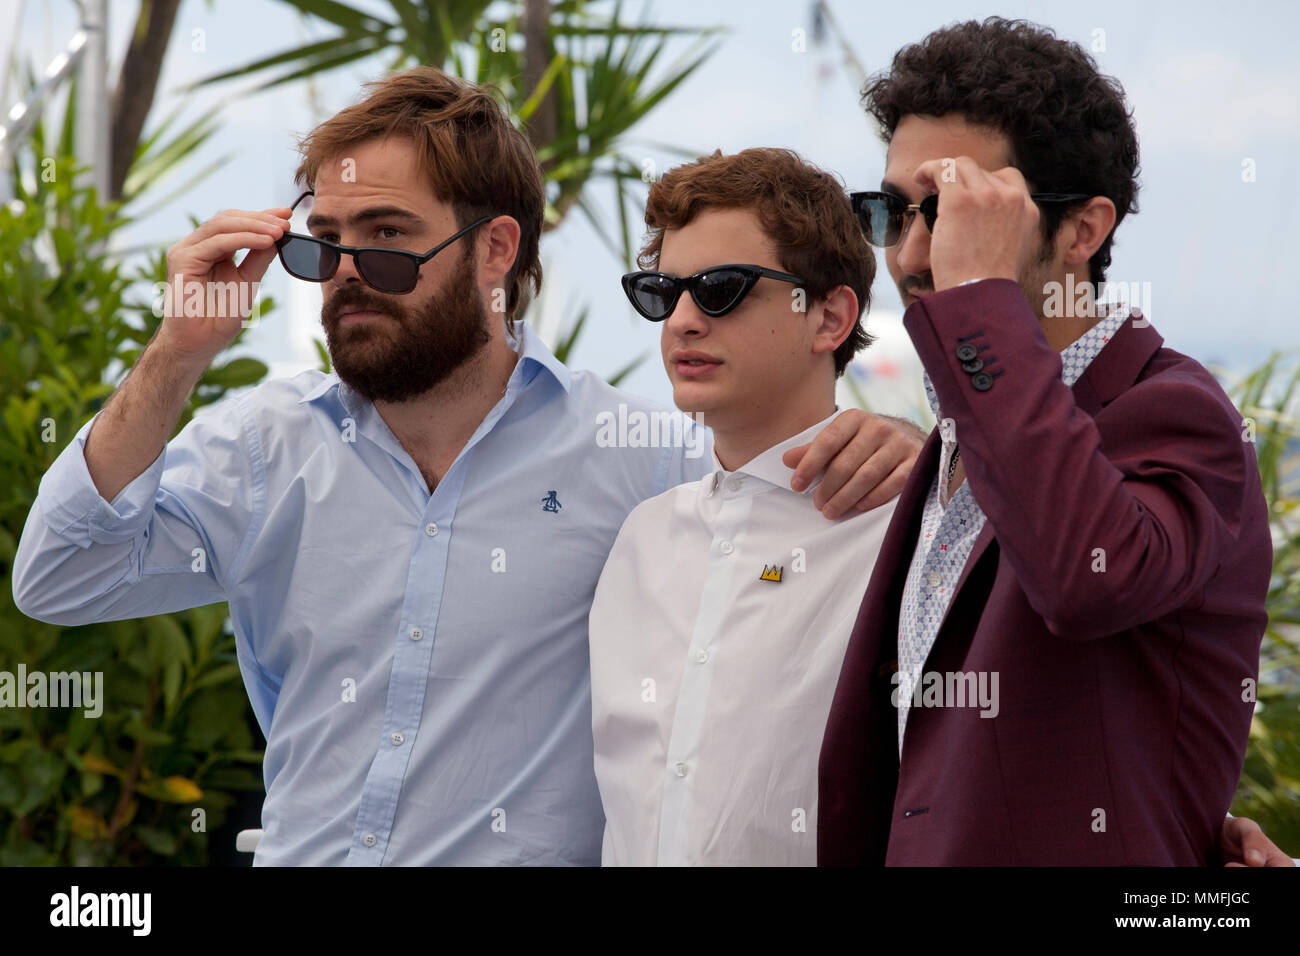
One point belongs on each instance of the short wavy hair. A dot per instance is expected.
(1069, 126)
(803, 209)
(475, 158)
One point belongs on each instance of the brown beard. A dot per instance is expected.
(418, 348)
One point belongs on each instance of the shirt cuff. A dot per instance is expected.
(74, 509)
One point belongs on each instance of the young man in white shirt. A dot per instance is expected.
(721, 617)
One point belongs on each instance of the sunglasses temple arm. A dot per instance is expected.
(450, 239)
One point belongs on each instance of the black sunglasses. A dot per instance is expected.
(716, 290)
(394, 271)
(885, 217)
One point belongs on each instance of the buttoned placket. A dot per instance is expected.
(417, 630)
(725, 508)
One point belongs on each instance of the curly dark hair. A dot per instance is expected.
(1069, 126)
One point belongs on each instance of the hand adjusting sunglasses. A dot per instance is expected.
(885, 217)
(716, 290)
(387, 270)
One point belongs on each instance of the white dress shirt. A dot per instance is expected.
(710, 684)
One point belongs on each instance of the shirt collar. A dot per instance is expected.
(535, 353)
(767, 466)
(1075, 357)
(534, 356)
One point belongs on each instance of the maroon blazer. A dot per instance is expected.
(1124, 695)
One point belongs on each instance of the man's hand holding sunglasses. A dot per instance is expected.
(205, 260)
(199, 320)
(987, 226)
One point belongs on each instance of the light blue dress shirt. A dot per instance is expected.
(418, 663)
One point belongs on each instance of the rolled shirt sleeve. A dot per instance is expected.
(170, 540)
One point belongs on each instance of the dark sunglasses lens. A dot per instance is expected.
(720, 290)
(307, 259)
(930, 210)
(881, 218)
(654, 296)
(388, 271)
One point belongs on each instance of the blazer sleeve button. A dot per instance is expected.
(982, 381)
(972, 366)
(966, 353)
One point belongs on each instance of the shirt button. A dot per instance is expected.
(681, 769)
(369, 839)
(935, 579)
(416, 633)
(726, 547)
(733, 484)
(701, 657)
(430, 529)
(397, 739)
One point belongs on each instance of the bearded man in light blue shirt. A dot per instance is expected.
(408, 546)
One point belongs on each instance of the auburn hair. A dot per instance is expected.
(803, 209)
(475, 158)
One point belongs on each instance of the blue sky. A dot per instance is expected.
(1209, 90)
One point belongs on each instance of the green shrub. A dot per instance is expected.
(149, 779)
(1269, 791)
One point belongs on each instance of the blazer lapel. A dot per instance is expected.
(1118, 365)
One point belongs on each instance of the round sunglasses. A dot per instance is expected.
(394, 271)
(716, 290)
(885, 217)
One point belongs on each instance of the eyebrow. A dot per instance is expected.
(887, 187)
(315, 220)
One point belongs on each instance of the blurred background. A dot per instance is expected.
(126, 123)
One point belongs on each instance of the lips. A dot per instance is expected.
(692, 357)
(359, 314)
(693, 364)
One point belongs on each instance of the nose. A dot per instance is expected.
(913, 248)
(686, 318)
(347, 271)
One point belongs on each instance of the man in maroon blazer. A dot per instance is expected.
(1055, 659)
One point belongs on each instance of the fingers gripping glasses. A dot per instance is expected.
(716, 291)
(885, 217)
(394, 271)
